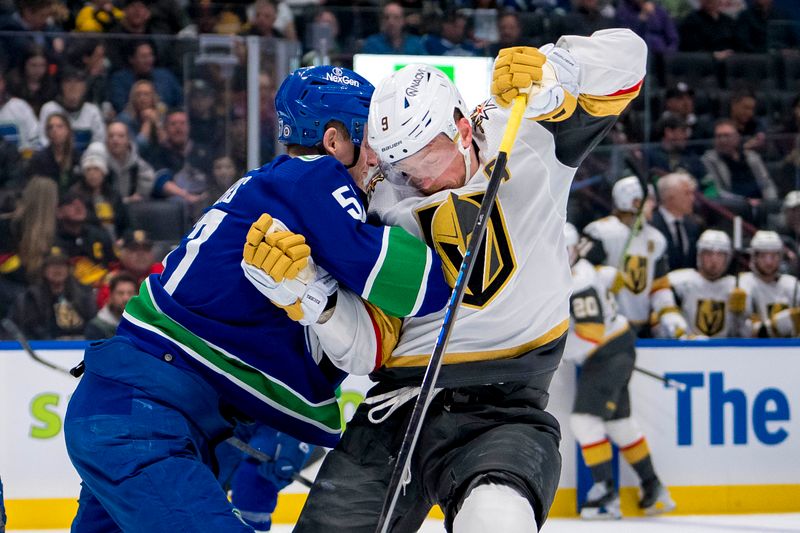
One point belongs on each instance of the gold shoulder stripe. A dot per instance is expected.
(11, 264)
(387, 331)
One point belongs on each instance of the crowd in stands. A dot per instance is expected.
(114, 139)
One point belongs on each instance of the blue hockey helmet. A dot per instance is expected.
(312, 96)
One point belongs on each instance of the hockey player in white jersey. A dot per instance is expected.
(773, 294)
(710, 300)
(642, 258)
(488, 451)
(602, 343)
(18, 124)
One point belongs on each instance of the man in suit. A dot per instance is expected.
(673, 219)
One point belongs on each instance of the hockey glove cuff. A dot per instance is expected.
(737, 300)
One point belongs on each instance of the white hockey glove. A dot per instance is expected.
(278, 263)
(672, 325)
(555, 97)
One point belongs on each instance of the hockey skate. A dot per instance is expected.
(655, 499)
(602, 503)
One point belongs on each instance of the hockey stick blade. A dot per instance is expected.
(12, 328)
(262, 457)
(675, 384)
(435, 364)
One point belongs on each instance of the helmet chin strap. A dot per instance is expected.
(356, 155)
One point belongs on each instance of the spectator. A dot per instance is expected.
(26, 236)
(452, 39)
(265, 14)
(104, 325)
(674, 219)
(762, 28)
(55, 306)
(18, 124)
(136, 259)
(132, 176)
(733, 172)
(223, 175)
(187, 164)
(585, 18)
(509, 30)
(393, 39)
(708, 30)
(144, 114)
(743, 115)
(790, 228)
(651, 22)
(26, 26)
(89, 55)
(102, 200)
(31, 81)
(324, 35)
(679, 102)
(11, 175)
(59, 159)
(167, 17)
(97, 16)
(135, 20)
(205, 123)
(671, 155)
(88, 247)
(140, 58)
(85, 118)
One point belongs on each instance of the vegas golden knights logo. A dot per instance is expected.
(636, 273)
(447, 226)
(710, 317)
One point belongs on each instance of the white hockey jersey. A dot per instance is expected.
(87, 123)
(768, 299)
(517, 298)
(593, 309)
(18, 125)
(644, 265)
(705, 304)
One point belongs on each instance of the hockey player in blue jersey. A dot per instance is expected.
(200, 346)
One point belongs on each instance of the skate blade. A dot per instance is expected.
(660, 507)
(600, 514)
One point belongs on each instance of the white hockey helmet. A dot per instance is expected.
(625, 192)
(766, 241)
(410, 108)
(714, 240)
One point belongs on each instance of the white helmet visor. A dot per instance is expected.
(427, 170)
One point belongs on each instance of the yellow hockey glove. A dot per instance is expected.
(515, 70)
(279, 265)
(737, 300)
(280, 253)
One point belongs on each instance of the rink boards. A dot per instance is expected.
(727, 443)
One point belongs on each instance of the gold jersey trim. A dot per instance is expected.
(398, 361)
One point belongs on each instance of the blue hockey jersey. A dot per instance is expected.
(206, 314)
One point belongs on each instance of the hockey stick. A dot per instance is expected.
(425, 397)
(675, 384)
(12, 328)
(262, 457)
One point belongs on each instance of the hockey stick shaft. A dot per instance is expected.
(12, 328)
(435, 364)
(675, 384)
(262, 457)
